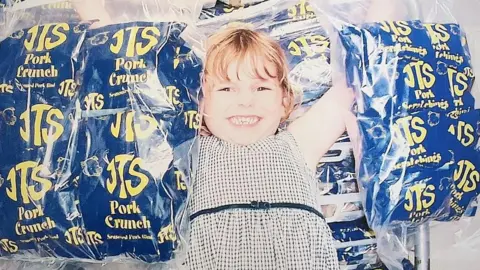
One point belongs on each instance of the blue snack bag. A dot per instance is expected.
(140, 118)
(404, 72)
(412, 82)
(39, 128)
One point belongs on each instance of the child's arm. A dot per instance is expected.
(318, 129)
(386, 10)
(324, 123)
(92, 10)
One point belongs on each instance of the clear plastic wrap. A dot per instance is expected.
(340, 197)
(98, 127)
(39, 129)
(412, 73)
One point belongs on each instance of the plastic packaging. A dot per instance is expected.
(25, 14)
(356, 245)
(297, 11)
(139, 121)
(413, 77)
(340, 197)
(39, 127)
(98, 126)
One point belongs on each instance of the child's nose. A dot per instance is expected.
(245, 98)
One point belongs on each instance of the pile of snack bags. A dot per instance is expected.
(98, 123)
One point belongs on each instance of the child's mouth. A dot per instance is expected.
(244, 120)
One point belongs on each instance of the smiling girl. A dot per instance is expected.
(254, 196)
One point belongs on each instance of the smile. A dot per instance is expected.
(244, 120)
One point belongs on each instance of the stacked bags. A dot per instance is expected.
(415, 112)
(418, 127)
(97, 128)
(342, 208)
(38, 126)
(139, 120)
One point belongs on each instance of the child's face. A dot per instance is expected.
(246, 108)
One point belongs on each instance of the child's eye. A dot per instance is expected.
(225, 89)
(263, 88)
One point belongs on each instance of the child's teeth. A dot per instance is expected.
(244, 120)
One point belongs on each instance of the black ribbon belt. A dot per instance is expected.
(255, 205)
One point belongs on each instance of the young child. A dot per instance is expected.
(254, 196)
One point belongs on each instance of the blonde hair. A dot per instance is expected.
(249, 48)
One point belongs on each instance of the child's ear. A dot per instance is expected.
(285, 103)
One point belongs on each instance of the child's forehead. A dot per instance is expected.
(239, 70)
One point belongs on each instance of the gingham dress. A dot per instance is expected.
(271, 170)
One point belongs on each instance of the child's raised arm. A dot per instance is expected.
(325, 122)
(92, 10)
(318, 129)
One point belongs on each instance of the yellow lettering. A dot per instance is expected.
(127, 224)
(411, 129)
(94, 101)
(311, 45)
(399, 28)
(8, 246)
(133, 131)
(166, 234)
(34, 191)
(419, 75)
(25, 214)
(466, 175)
(67, 88)
(39, 41)
(131, 208)
(180, 183)
(42, 135)
(48, 224)
(5, 88)
(173, 94)
(464, 132)
(438, 33)
(458, 82)
(192, 119)
(419, 197)
(24, 72)
(149, 35)
(118, 165)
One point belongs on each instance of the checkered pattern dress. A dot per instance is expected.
(271, 170)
